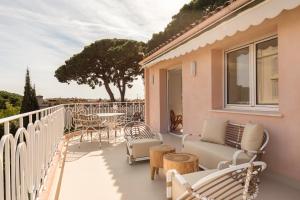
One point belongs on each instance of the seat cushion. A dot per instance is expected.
(214, 131)
(252, 137)
(192, 178)
(222, 187)
(211, 154)
(140, 147)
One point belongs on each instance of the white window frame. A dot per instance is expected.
(252, 106)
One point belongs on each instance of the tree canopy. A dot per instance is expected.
(11, 98)
(104, 63)
(188, 14)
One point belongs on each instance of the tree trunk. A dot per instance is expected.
(110, 93)
(122, 90)
(122, 93)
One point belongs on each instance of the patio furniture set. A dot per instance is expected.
(99, 122)
(221, 163)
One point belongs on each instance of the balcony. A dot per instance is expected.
(47, 161)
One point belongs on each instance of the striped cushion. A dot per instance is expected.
(233, 135)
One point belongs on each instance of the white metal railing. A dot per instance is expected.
(27, 152)
(129, 108)
(25, 155)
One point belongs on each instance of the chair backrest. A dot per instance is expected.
(235, 182)
(234, 134)
(138, 130)
(137, 116)
(172, 116)
(89, 121)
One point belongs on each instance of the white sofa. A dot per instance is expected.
(213, 155)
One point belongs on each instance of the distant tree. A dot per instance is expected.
(34, 100)
(12, 98)
(29, 102)
(187, 15)
(105, 62)
(9, 111)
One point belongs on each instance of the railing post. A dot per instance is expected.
(6, 128)
(21, 126)
(68, 118)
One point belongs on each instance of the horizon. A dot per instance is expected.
(53, 30)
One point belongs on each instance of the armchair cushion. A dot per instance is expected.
(140, 147)
(252, 137)
(211, 154)
(178, 189)
(214, 131)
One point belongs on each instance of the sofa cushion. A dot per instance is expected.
(192, 178)
(214, 131)
(140, 147)
(252, 137)
(211, 154)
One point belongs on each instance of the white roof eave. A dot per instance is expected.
(266, 10)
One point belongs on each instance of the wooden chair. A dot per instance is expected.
(176, 120)
(239, 182)
(139, 139)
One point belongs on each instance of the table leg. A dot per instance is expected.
(157, 170)
(152, 172)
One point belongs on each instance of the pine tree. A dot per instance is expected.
(35, 104)
(29, 102)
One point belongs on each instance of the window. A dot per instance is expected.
(238, 76)
(267, 72)
(252, 76)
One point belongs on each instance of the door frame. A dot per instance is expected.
(177, 67)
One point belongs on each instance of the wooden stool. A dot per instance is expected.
(156, 157)
(184, 163)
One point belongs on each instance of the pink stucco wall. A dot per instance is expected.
(203, 94)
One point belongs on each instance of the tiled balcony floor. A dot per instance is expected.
(104, 174)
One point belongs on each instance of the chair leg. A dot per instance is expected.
(130, 161)
(153, 170)
(81, 136)
(108, 135)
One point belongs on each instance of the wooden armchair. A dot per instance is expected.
(176, 120)
(238, 182)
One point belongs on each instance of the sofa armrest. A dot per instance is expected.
(185, 136)
(224, 164)
(254, 155)
(174, 174)
(160, 137)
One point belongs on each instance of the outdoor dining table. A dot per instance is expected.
(111, 120)
(108, 115)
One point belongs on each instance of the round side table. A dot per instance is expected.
(184, 163)
(156, 157)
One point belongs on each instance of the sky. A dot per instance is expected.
(42, 34)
